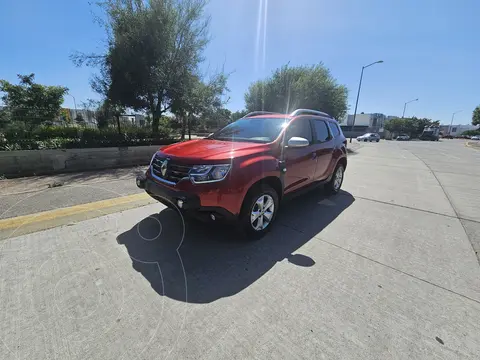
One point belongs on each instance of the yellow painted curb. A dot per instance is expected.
(467, 144)
(69, 211)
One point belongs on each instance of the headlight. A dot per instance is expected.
(208, 173)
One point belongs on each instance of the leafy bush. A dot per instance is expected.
(471, 132)
(57, 137)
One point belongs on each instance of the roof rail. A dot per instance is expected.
(309, 112)
(255, 113)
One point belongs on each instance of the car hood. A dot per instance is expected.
(212, 150)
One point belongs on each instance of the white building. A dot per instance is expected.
(374, 121)
(457, 130)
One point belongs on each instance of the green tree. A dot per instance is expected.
(213, 120)
(199, 100)
(471, 132)
(237, 115)
(411, 126)
(154, 49)
(395, 126)
(476, 116)
(290, 88)
(5, 118)
(30, 102)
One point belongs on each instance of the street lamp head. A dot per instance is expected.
(376, 62)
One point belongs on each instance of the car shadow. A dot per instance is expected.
(197, 262)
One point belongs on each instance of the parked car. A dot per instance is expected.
(243, 171)
(475, 137)
(403, 137)
(369, 137)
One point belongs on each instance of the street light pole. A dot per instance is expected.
(405, 106)
(451, 123)
(74, 104)
(358, 95)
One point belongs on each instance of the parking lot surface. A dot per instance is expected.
(387, 269)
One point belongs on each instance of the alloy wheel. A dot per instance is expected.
(337, 182)
(262, 212)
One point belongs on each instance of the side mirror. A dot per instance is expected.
(297, 142)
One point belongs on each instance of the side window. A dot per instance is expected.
(321, 130)
(300, 128)
(334, 129)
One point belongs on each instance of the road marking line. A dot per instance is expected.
(73, 210)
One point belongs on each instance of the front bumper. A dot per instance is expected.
(168, 196)
(184, 201)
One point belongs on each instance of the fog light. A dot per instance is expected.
(138, 182)
(212, 217)
(180, 203)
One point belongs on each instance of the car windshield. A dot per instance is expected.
(262, 130)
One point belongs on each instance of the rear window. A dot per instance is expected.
(321, 131)
(335, 129)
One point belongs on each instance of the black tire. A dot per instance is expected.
(330, 187)
(248, 205)
(378, 140)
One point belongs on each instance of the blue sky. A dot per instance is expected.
(430, 48)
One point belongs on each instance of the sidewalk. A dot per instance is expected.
(36, 183)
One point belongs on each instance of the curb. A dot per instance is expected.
(353, 147)
(473, 145)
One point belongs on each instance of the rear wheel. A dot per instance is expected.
(259, 211)
(334, 185)
(378, 140)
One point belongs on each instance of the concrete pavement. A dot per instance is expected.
(384, 270)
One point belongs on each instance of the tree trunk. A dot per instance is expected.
(155, 122)
(156, 112)
(189, 123)
(184, 126)
(118, 124)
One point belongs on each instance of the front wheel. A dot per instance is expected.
(259, 211)
(334, 185)
(378, 140)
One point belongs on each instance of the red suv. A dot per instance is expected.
(243, 170)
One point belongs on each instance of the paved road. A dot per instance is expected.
(385, 270)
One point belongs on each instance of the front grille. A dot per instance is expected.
(174, 171)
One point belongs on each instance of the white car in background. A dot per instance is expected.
(369, 137)
(403, 137)
(476, 137)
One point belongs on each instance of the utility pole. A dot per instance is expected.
(358, 95)
(451, 123)
(405, 106)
